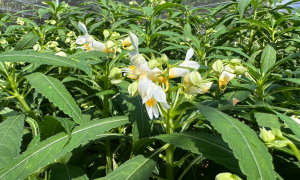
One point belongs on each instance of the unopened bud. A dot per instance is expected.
(109, 44)
(133, 89)
(227, 176)
(239, 70)
(61, 54)
(218, 67)
(278, 143)
(153, 63)
(229, 68)
(235, 61)
(106, 33)
(266, 136)
(115, 73)
(115, 35)
(276, 132)
(37, 47)
(164, 59)
(193, 79)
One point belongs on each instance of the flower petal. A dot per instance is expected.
(82, 27)
(81, 40)
(149, 111)
(98, 46)
(189, 54)
(135, 42)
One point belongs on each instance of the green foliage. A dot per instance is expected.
(79, 102)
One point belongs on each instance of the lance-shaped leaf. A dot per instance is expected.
(53, 148)
(242, 6)
(50, 126)
(40, 58)
(67, 172)
(293, 125)
(28, 40)
(210, 146)
(254, 158)
(11, 132)
(268, 58)
(138, 168)
(55, 91)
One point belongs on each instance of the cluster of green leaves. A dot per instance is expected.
(62, 118)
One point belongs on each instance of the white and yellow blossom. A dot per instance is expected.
(181, 72)
(224, 79)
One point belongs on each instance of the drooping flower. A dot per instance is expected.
(224, 79)
(181, 72)
(193, 90)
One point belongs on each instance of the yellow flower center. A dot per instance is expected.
(132, 68)
(86, 45)
(150, 102)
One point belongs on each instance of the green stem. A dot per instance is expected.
(182, 159)
(293, 147)
(106, 115)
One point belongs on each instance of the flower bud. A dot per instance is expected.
(164, 59)
(266, 136)
(235, 62)
(115, 73)
(229, 68)
(218, 67)
(133, 89)
(130, 48)
(193, 79)
(153, 63)
(3, 41)
(276, 132)
(37, 47)
(115, 35)
(106, 33)
(227, 176)
(109, 44)
(67, 40)
(52, 22)
(239, 70)
(162, 2)
(61, 54)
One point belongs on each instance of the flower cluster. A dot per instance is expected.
(145, 83)
(228, 71)
(150, 77)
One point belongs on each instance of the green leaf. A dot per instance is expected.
(148, 10)
(230, 98)
(66, 172)
(293, 80)
(11, 132)
(138, 115)
(40, 58)
(267, 120)
(210, 146)
(232, 49)
(118, 23)
(138, 168)
(28, 40)
(242, 6)
(66, 123)
(268, 58)
(293, 125)
(254, 158)
(54, 147)
(35, 129)
(55, 91)
(50, 127)
(95, 25)
(159, 8)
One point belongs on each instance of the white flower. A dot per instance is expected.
(61, 54)
(224, 79)
(181, 72)
(86, 39)
(87, 47)
(151, 95)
